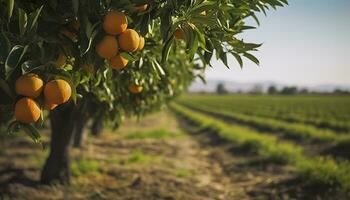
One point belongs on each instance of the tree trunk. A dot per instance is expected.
(97, 126)
(81, 118)
(79, 132)
(56, 168)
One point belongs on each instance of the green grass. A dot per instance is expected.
(154, 134)
(139, 157)
(183, 173)
(37, 159)
(85, 166)
(316, 170)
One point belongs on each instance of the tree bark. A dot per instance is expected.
(79, 132)
(97, 126)
(56, 168)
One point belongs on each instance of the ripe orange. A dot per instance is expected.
(49, 106)
(57, 91)
(108, 47)
(179, 34)
(115, 22)
(140, 8)
(61, 60)
(27, 110)
(135, 89)
(141, 43)
(29, 85)
(118, 62)
(129, 40)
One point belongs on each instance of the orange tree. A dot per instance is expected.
(73, 59)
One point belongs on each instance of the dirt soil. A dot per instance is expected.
(156, 158)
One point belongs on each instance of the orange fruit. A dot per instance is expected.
(141, 43)
(61, 60)
(129, 40)
(57, 91)
(118, 62)
(135, 89)
(108, 47)
(27, 110)
(29, 85)
(115, 22)
(179, 34)
(140, 8)
(49, 106)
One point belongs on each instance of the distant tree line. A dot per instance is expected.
(292, 90)
(273, 90)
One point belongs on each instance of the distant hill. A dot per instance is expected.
(232, 86)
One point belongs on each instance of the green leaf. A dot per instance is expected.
(238, 58)
(128, 56)
(13, 127)
(223, 58)
(166, 49)
(91, 32)
(33, 18)
(22, 21)
(14, 58)
(32, 132)
(5, 46)
(194, 47)
(251, 57)
(165, 23)
(30, 65)
(160, 69)
(10, 5)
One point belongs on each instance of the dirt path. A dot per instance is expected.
(152, 159)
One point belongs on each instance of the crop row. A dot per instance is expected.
(293, 130)
(331, 112)
(318, 171)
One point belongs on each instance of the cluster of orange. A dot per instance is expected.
(30, 86)
(119, 37)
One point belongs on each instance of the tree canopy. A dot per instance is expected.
(59, 40)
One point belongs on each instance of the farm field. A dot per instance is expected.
(319, 154)
(330, 112)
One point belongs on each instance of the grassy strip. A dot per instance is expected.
(301, 131)
(318, 171)
(153, 134)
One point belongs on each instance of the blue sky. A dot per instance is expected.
(305, 43)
